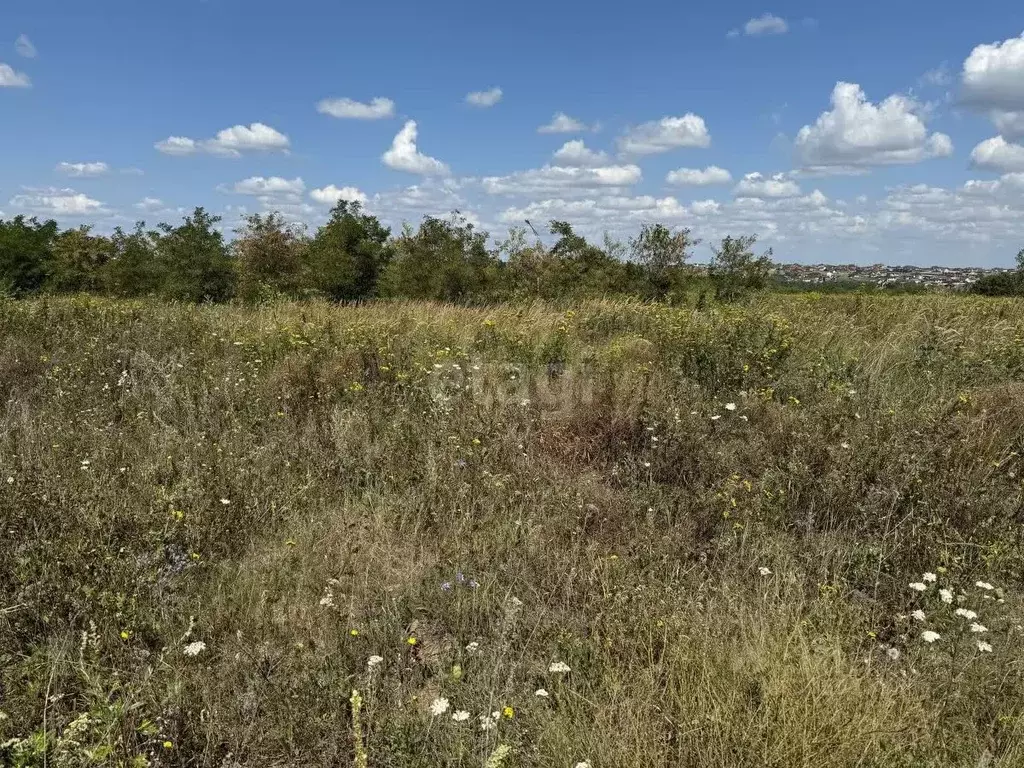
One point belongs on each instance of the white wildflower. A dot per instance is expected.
(461, 716)
(929, 576)
(730, 406)
(893, 653)
(582, 764)
(967, 614)
(559, 667)
(764, 571)
(473, 647)
(984, 647)
(918, 586)
(716, 417)
(978, 628)
(983, 585)
(946, 595)
(439, 706)
(541, 693)
(373, 661)
(488, 722)
(918, 615)
(225, 502)
(845, 445)
(194, 648)
(930, 637)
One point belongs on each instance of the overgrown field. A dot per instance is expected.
(422, 535)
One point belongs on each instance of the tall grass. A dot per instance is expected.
(216, 519)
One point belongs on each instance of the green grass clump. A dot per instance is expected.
(407, 534)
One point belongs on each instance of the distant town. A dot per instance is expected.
(882, 275)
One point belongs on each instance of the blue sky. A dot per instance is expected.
(877, 131)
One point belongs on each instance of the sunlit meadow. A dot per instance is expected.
(785, 533)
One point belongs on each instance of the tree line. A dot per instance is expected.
(354, 257)
(1003, 283)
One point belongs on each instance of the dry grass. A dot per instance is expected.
(301, 487)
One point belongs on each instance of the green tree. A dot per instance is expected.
(445, 260)
(197, 265)
(269, 255)
(78, 262)
(662, 254)
(26, 251)
(348, 254)
(584, 268)
(531, 270)
(735, 269)
(133, 268)
(1003, 283)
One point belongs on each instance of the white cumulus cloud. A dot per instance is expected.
(554, 178)
(997, 154)
(149, 204)
(230, 142)
(256, 137)
(705, 207)
(404, 156)
(1009, 124)
(857, 133)
(993, 75)
(57, 202)
(177, 145)
(25, 48)
(665, 134)
(757, 186)
(9, 78)
(83, 169)
(765, 24)
(562, 123)
(699, 178)
(330, 195)
(487, 98)
(377, 109)
(576, 154)
(274, 185)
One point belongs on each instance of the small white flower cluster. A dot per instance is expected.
(441, 705)
(194, 648)
(489, 720)
(947, 597)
